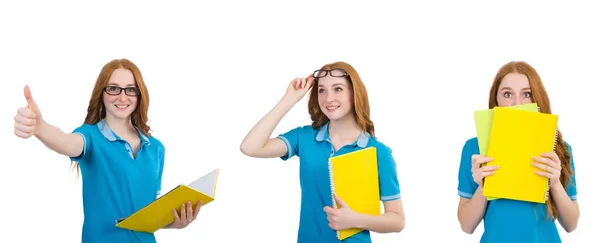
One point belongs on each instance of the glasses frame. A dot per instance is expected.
(328, 72)
(137, 90)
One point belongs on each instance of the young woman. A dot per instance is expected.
(518, 83)
(339, 109)
(121, 163)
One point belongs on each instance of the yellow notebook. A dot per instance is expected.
(159, 213)
(355, 179)
(517, 136)
(483, 127)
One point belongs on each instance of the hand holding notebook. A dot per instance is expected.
(549, 166)
(188, 214)
(159, 213)
(480, 170)
(341, 218)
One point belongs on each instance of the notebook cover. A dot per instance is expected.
(483, 127)
(517, 136)
(355, 179)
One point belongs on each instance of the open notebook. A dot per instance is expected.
(355, 179)
(517, 136)
(159, 213)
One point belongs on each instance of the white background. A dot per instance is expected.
(215, 68)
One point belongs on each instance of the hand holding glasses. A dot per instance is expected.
(300, 86)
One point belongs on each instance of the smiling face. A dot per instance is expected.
(339, 93)
(120, 103)
(514, 90)
(335, 97)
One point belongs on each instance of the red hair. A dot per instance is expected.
(361, 109)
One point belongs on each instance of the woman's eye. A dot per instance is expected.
(338, 89)
(507, 94)
(527, 94)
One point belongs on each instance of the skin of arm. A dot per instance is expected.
(257, 142)
(63, 143)
(568, 210)
(470, 211)
(392, 220)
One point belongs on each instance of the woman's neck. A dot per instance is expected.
(122, 127)
(345, 130)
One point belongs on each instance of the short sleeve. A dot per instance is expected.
(161, 165)
(84, 132)
(572, 184)
(466, 184)
(291, 140)
(389, 187)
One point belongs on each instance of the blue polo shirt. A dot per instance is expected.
(115, 184)
(314, 149)
(510, 220)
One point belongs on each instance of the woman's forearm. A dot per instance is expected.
(55, 139)
(386, 223)
(471, 211)
(568, 210)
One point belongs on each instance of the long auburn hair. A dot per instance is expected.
(539, 96)
(96, 110)
(361, 109)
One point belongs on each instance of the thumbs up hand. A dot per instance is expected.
(28, 118)
(343, 217)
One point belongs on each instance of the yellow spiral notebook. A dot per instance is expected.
(483, 127)
(158, 214)
(355, 179)
(517, 136)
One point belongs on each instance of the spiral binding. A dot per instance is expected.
(554, 150)
(332, 186)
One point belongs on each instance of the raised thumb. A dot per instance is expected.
(30, 102)
(340, 203)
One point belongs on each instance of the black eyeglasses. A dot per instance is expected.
(115, 90)
(336, 72)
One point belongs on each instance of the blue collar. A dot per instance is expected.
(323, 135)
(111, 136)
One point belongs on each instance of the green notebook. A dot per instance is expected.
(483, 126)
